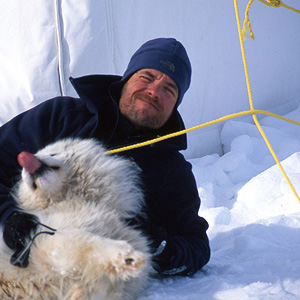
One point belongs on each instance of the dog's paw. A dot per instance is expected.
(125, 261)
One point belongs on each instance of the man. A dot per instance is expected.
(120, 111)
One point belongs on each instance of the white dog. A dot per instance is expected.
(86, 195)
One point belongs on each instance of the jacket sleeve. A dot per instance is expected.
(179, 233)
(7, 204)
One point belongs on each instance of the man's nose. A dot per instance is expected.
(154, 90)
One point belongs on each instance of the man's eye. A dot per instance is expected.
(145, 78)
(171, 91)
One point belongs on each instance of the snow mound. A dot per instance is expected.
(254, 218)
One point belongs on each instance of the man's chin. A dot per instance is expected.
(146, 122)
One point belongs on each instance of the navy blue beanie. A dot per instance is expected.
(166, 55)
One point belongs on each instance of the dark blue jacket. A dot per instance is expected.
(171, 194)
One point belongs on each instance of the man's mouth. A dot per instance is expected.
(147, 99)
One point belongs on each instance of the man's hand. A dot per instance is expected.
(18, 231)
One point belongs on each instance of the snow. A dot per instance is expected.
(253, 214)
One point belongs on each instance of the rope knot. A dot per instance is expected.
(275, 3)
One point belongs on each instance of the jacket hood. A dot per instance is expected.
(102, 92)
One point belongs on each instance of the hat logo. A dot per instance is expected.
(168, 65)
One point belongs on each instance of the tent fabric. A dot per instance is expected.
(28, 55)
(43, 43)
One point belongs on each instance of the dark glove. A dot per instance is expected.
(18, 231)
(161, 248)
(157, 236)
(159, 244)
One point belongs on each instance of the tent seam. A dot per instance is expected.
(59, 43)
(109, 31)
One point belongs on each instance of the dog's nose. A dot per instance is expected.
(29, 162)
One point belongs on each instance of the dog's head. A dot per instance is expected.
(46, 175)
(75, 168)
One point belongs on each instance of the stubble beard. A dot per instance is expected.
(139, 117)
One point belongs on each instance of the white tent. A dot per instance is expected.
(45, 42)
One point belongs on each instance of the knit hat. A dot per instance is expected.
(166, 55)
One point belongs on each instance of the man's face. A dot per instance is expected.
(148, 98)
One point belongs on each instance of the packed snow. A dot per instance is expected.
(253, 214)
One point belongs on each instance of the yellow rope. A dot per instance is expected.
(278, 3)
(246, 23)
(252, 111)
(222, 119)
(273, 3)
(251, 103)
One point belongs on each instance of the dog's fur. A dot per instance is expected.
(94, 254)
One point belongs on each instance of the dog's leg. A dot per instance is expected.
(120, 260)
(86, 260)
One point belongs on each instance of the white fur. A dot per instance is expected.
(93, 254)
